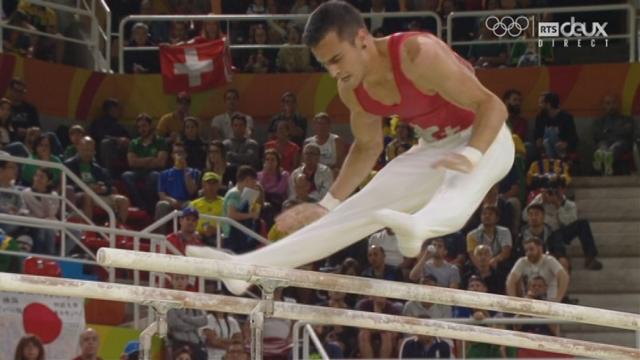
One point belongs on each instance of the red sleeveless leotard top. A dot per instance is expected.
(437, 117)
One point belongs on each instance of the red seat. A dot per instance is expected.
(43, 267)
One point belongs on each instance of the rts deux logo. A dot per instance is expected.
(561, 33)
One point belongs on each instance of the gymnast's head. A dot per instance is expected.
(339, 39)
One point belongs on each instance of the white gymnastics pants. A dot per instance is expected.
(439, 201)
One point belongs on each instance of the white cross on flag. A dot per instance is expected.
(194, 67)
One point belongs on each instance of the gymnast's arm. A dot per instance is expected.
(363, 153)
(434, 67)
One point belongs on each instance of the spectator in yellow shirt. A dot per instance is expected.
(171, 125)
(209, 204)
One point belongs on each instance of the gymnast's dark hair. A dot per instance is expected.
(334, 15)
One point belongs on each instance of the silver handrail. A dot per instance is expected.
(137, 18)
(568, 9)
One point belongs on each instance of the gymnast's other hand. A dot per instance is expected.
(300, 216)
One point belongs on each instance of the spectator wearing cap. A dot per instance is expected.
(221, 128)
(241, 150)
(141, 62)
(187, 234)
(289, 113)
(131, 351)
(377, 268)
(489, 233)
(89, 345)
(493, 278)
(537, 263)
(98, 179)
(210, 203)
(288, 150)
(146, 155)
(171, 125)
(110, 136)
(320, 176)
(423, 309)
(240, 205)
(177, 185)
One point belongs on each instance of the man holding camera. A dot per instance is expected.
(561, 215)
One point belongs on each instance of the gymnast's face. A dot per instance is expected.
(343, 59)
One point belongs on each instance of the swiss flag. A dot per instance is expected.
(194, 67)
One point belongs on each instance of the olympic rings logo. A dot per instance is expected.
(507, 25)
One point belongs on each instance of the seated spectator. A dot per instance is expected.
(432, 262)
(240, 149)
(332, 146)
(89, 345)
(48, 48)
(76, 133)
(476, 350)
(183, 324)
(288, 150)
(505, 209)
(536, 263)
(210, 31)
(186, 235)
(195, 148)
(320, 176)
(141, 62)
(512, 98)
(274, 180)
(404, 137)
(426, 310)
(210, 203)
(110, 136)
(301, 191)
(498, 238)
(386, 239)
(386, 25)
(179, 33)
(289, 113)
(29, 347)
(42, 208)
(493, 278)
(178, 185)
(491, 55)
(377, 268)
(217, 163)
(256, 7)
(555, 131)
(612, 135)
(239, 205)
(42, 147)
(221, 128)
(15, 41)
(219, 334)
(6, 130)
(277, 331)
(236, 351)
(424, 347)
(25, 147)
(535, 227)
(10, 202)
(385, 339)
(23, 114)
(9, 263)
(561, 214)
(147, 154)
(259, 61)
(98, 179)
(293, 59)
(171, 125)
